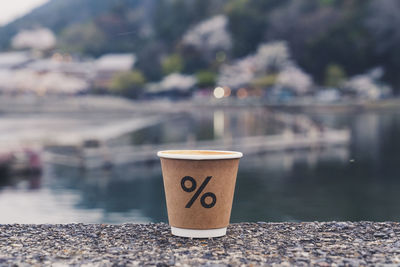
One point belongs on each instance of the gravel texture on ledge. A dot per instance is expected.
(279, 244)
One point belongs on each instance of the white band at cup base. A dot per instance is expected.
(196, 233)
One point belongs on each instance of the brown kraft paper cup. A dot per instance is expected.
(199, 188)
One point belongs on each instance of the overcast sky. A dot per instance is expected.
(12, 9)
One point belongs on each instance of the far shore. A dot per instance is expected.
(92, 104)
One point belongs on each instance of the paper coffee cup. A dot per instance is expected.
(199, 187)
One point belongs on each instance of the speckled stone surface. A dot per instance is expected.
(247, 244)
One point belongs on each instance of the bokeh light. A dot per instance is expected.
(242, 93)
(227, 91)
(219, 92)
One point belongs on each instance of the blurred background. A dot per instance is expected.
(90, 90)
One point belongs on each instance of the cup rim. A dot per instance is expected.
(225, 154)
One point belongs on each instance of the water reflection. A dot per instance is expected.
(209, 125)
(28, 182)
(122, 190)
(360, 183)
(375, 146)
(219, 124)
(140, 187)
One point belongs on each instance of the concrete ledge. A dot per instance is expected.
(284, 244)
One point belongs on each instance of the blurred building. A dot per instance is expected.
(75, 68)
(12, 60)
(20, 72)
(107, 66)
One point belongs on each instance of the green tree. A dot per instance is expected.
(348, 46)
(264, 81)
(86, 39)
(129, 84)
(206, 78)
(171, 20)
(172, 63)
(334, 75)
(246, 24)
(149, 61)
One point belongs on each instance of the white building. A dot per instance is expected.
(11, 60)
(107, 66)
(25, 80)
(79, 69)
(21, 73)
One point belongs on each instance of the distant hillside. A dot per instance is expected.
(58, 14)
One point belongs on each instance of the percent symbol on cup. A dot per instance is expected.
(198, 192)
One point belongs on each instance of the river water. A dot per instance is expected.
(358, 182)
